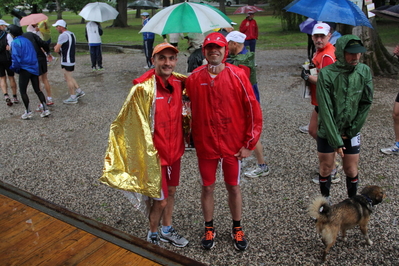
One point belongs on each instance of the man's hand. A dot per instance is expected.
(305, 74)
(243, 153)
(340, 151)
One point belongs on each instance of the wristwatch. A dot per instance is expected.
(306, 78)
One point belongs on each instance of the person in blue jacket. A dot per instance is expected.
(148, 40)
(24, 62)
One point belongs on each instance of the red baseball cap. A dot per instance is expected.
(216, 38)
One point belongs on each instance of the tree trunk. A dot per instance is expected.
(377, 57)
(121, 19)
(59, 11)
(222, 6)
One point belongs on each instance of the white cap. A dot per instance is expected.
(233, 23)
(321, 28)
(2, 22)
(236, 36)
(144, 14)
(61, 23)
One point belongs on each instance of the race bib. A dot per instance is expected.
(355, 141)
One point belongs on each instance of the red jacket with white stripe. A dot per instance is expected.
(225, 113)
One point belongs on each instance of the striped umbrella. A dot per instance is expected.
(185, 17)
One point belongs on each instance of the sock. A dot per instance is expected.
(236, 223)
(325, 184)
(209, 224)
(262, 166)
(165, 229)
(73, 96)
(78, 90)
(351, 185)
(49, 99)
(14, 95)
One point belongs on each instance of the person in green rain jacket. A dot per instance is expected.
(344, 94)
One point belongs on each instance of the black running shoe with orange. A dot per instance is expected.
(240, 243)
(208, 240)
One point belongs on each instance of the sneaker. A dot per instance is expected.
(93, 69)
(146, 67)
(71, 101)
(258, 172)
(26, 115)
(304, 129)
(39, 108)
(80, 94)
(208, 240)
(174, 238)
(391, 150)
(15, 100)
(334, 177)
(153, 238)
(240, 243)
(50, 102)
(45, 113)
(100, 68)
(8, 101)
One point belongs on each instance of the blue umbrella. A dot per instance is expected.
(338, 11)
(307, 26)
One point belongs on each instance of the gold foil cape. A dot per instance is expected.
(131, 161)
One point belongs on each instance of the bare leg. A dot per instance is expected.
(258, 152)
(3, 84)
(44, 80)
(395, 116)
(71, 82)
(168, 211)
(235, 201)
(156, 211)
(13, 85)
(313, 124)
(207, 202)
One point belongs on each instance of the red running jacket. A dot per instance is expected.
(225, 113)
(168, 125)
(251, 30)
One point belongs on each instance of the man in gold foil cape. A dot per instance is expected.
(146, 142)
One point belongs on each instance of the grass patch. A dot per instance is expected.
(271, 35)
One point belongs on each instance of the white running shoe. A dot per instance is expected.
(27, 116)
(258, 172)
(71, 101)
(304, 129)
(45, 113)
(391, 150)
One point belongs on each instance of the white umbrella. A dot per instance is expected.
(99, 12)
(185, 17)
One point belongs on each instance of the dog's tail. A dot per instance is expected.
(319, 208)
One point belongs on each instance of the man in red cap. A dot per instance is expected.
(146, 145)
(226, 125)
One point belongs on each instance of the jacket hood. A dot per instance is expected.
(339, 51)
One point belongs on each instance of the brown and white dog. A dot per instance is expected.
(344, 215)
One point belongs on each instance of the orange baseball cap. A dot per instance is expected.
(163, 46)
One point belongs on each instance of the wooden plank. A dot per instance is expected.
(64, 249)
(97, 258)
(32, 242)
(124, 257)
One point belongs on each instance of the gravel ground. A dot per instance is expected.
(60, 159)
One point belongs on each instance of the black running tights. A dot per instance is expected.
(24, 77)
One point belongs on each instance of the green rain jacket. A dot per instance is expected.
(344, 94)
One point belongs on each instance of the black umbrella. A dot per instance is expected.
(391, 13)
(142, 4)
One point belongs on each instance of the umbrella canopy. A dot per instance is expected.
(32, 19)
(338, 11)
(98, 12)
(247, 9)
(307, 26)
(185, 17)
(219, 12)
(392, 12)
(142, 4)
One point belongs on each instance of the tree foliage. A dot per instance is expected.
(289, 21)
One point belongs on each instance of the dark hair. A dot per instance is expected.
(15, 30)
